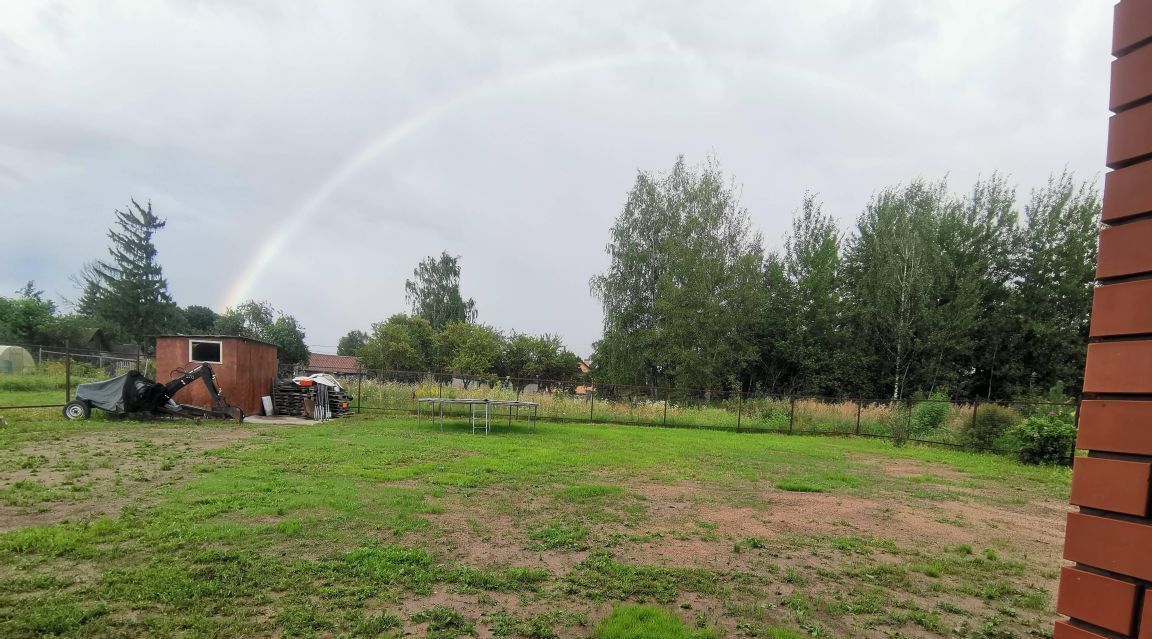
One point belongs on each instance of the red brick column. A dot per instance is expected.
(1108, 593)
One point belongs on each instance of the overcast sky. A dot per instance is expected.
(310, 153)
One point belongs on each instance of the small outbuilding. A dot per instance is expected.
(14, 359)
(245, 368)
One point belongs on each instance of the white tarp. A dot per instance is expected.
(321, 378)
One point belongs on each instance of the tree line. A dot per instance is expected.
(979, 294)
(441, 335)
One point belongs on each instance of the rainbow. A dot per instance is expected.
(242, 287)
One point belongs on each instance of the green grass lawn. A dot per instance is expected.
(378, 528)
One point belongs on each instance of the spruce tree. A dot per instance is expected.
(130, 291)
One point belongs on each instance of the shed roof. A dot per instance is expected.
(243, 339)
(336, 363)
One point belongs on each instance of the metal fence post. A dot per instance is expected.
(975, 409)
(740, 408)
(665, 422)
(591, 404)
(1076, 426)
(791, 413)
(67, 372)
(359, 388)
(859, 409)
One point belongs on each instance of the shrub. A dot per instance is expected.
(899, 424)
(991, 422)
(930, 415)
(1043, 440)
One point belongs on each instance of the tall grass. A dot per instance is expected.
(49, 376)
(776, 414)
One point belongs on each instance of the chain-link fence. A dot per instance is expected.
(972, 425)
(36, 379)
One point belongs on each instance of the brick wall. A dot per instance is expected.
(1108, 592)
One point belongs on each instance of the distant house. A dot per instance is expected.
(94, 339)
(324, 363)
(585, 368)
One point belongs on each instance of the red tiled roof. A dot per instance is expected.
(322, 363)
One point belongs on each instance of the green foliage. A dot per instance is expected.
(199, 319)
(990, 423)
(1043, 440)
(130, 291)
(468, 349)
(916, 267)
(543, 357)
(351, 343)
(21, 319)
(259, 320)
(646, 622)
(930, 415)
(400, 343)
(805, 313)
(434, 294)
(929, 289)
(681, 295)
(1049, 307)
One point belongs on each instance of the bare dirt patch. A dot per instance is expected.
(905, 468)
(98, 473)
(471, 532)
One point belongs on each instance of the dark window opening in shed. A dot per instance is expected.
(209, 352)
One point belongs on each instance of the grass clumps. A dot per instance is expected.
(646, 622)
(415, 569)
(445, 623)
(505, 625)
(558, 536)
(589, 493)
(797, 486)
(600, 577)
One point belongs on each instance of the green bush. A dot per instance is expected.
(900, 424)
(991, 422)
(1043, 440)
(930, 415)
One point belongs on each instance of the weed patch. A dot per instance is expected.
(646, 622)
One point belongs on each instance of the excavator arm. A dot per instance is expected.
(204, 372)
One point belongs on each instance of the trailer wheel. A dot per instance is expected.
(77, 409)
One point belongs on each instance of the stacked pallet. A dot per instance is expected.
(289, 398)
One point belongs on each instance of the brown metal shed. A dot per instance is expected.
(245, 368)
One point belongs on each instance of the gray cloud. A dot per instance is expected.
(516, 130)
